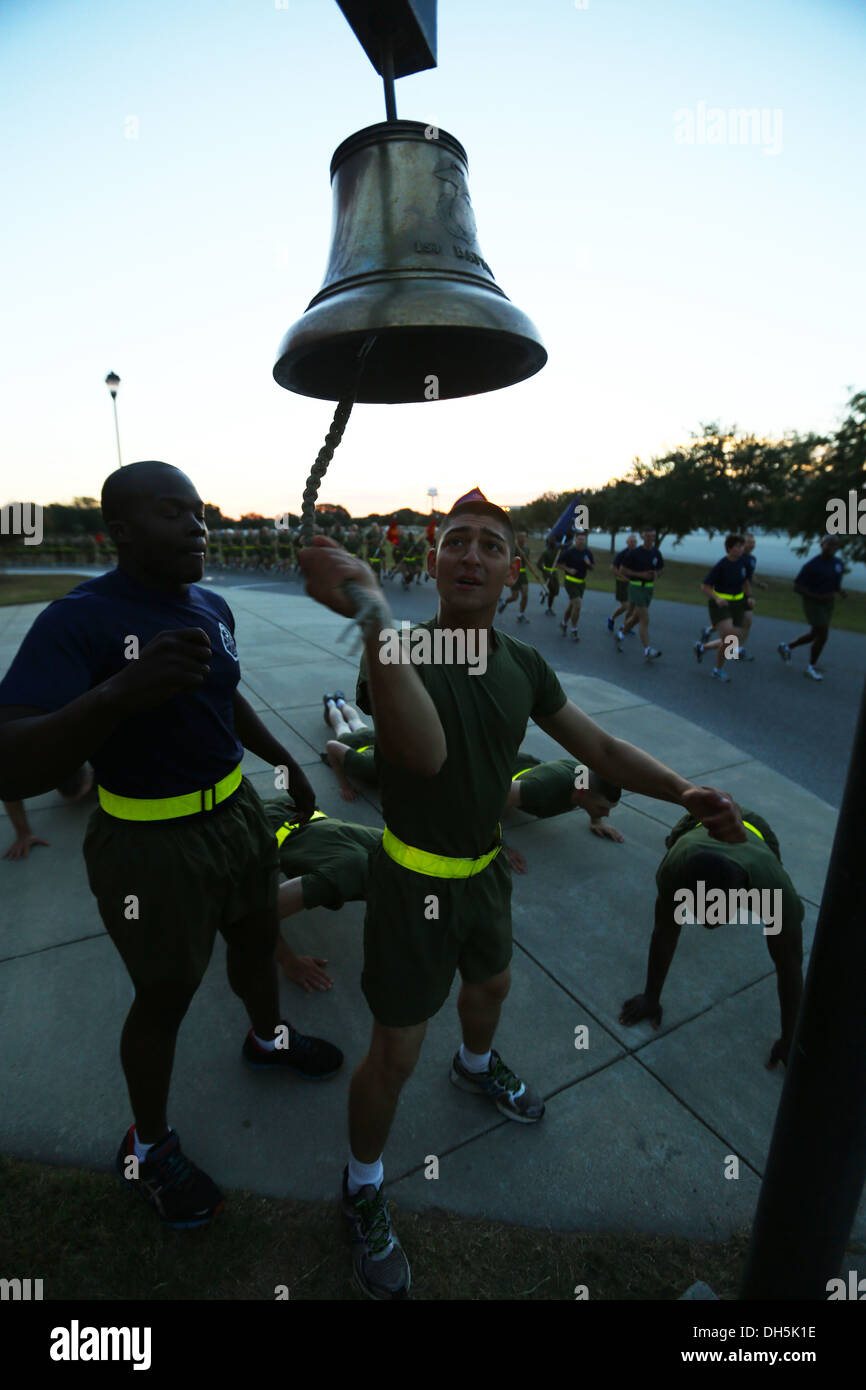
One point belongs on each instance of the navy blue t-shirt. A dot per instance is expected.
(577, 559)
(728, 576)
(186, 743)
(823, 575)
(622, 557)
(750, 562)
(648, 562)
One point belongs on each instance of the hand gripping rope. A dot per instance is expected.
(367, 606)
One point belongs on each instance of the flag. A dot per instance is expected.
(565, 525)
(392, 534)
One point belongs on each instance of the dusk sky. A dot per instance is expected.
(168, 210)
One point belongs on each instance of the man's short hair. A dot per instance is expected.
(599, 787)
(475, 501)
(733, 539)
(715, 870)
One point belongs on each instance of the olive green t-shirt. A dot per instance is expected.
(329, 856)
(761, 860)
(484, 719)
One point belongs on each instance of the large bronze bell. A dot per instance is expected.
(406, 267)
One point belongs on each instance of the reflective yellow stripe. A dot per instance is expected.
(421, 861)
(364, 749)
(169, 807)
(288, 826)
(648, 583)
(520, 773)
(733, 597)
(754, 829)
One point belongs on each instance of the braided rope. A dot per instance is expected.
(368, 606)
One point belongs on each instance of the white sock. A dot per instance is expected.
(647, 650)
(266, 1044)
(362, 1174)
(141, 1150)
(474, 1061)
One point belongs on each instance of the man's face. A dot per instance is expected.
(649, 539)
(472, 562)
(521, 538)
(736, 551)
(829, 545)
(580, 542)
(631, 543)
(165, 532)
(750, 544)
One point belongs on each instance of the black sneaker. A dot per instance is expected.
(181, 1194)
(325, 700)
(378, 1261)
(502, 1086)
(312, 1058)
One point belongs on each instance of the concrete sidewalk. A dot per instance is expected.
(639, 1124)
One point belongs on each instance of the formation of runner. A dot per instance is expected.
(137, 673)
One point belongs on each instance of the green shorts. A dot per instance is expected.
(182, 881)
(734, 612)
(622, 591)
(640, 594)
(547, 789)
(552, 582)
(522, 581)
(410, 959)
(818, 614)
(574, 588)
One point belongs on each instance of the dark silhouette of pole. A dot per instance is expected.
(112, 381)
(817, 1159)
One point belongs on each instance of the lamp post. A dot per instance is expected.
(112, 381)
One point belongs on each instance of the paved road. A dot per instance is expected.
(800, 728)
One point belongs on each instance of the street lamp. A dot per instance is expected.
(112, 381)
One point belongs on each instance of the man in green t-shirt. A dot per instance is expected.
(438, 899)
(700, 880)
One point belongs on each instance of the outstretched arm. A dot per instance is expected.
(629, 767)
(663, 945)
(786, 950)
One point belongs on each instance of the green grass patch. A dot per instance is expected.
(681, 583)
(36, 588)
(87, 1238)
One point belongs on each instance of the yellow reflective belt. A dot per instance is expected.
(732, 597)
(647, 582)
(169, 807)
(365, 749)
(289, 826)
(421, 861)
(520, 773)
(753, 828)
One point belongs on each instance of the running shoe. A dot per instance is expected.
(378, 1262)
(522, 618)
(506, 1090)
(743, 655)
(610, 624)
(325, 699)
(339, 698)
(620, 635)
(720, 676)
(699, 651)
(574, 636)
(549, 613)
(182, 1195)
(706, 634)
(813, 674)
(784, 651)
(652, 654)
(563, 627)
(312, 1058)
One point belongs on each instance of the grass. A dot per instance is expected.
(76, 1230)
(36, 588)
(680, 583)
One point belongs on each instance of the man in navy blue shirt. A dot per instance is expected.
(137, 672)
(640, 569)
(727, 589)
(575, 562)
(621, 582)
(818, 582)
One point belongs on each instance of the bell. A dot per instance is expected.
(406, 277)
